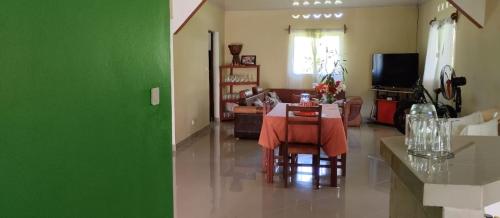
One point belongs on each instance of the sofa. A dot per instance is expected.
(490, 114)
(248, 117)
(355, 119)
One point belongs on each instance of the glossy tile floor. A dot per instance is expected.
(219, 176)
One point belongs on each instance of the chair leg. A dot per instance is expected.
(344, 165)
(333, 171)
(294, 162)
(285, 166)
(264, 160)
(316, 165)
(270, 165)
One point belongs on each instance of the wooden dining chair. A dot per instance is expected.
(269, 157)
(340, 161)
(292, 149)
(345, 121)
(266, 152)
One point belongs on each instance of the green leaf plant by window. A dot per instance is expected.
(312, 55)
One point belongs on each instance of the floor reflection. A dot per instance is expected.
(219, 176)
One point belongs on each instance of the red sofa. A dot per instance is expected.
(248, 118)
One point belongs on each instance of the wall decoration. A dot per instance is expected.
(249, 59)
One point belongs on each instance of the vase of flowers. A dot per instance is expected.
(331, 79)
(329, 89)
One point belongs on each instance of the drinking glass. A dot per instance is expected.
(424, 109)
(305, 98)
(409, 132)
(441, 146)
(420, 133)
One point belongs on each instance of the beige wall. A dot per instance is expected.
(191, 70)
(476, 55)
(370, 30)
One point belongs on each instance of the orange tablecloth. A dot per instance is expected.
(333, 137)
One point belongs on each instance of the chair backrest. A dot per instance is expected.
(309, 121)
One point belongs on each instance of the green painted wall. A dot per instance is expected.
(78, 136)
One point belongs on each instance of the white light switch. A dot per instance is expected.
(155, 96)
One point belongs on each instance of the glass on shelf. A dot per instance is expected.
(419, 134)
(419, 125)
(424, 109)
(441, 145)
(427, 135)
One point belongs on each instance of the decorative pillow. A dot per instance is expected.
(257, 90)
(458, 124)
(489, 128)
(275, 96)
(247, 93)
(272, 101)
(258, 103)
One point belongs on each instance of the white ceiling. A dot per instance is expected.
(287, 4)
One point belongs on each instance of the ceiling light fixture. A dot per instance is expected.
(338, 15)
(317, 16)
(296, 16)
(328, 2)
(306, 3)
(306, 16)
(327, 15)
(296, 3)
(317, 2)
(338, 2)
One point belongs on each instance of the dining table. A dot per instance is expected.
(333, 135)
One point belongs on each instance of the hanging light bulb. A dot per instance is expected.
(296, 3)
(327, 15)
(338, 15)
(317, 16)
(338, 2)
(328, 2)
(296, 16)
(317, 2)
(306, 16)
(306, 3)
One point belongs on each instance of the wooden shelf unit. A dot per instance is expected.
(223, 113)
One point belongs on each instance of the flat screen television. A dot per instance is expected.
(395, 70)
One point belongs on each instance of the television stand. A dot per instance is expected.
(387, 101)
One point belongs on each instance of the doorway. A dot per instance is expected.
(211, 75)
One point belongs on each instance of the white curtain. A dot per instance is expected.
(440, 52)
(312, 53)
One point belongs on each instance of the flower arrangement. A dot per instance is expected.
(331, 76)
(330, 88)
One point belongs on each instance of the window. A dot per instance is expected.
(440, 51)
(313, 52)
(311, 55)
